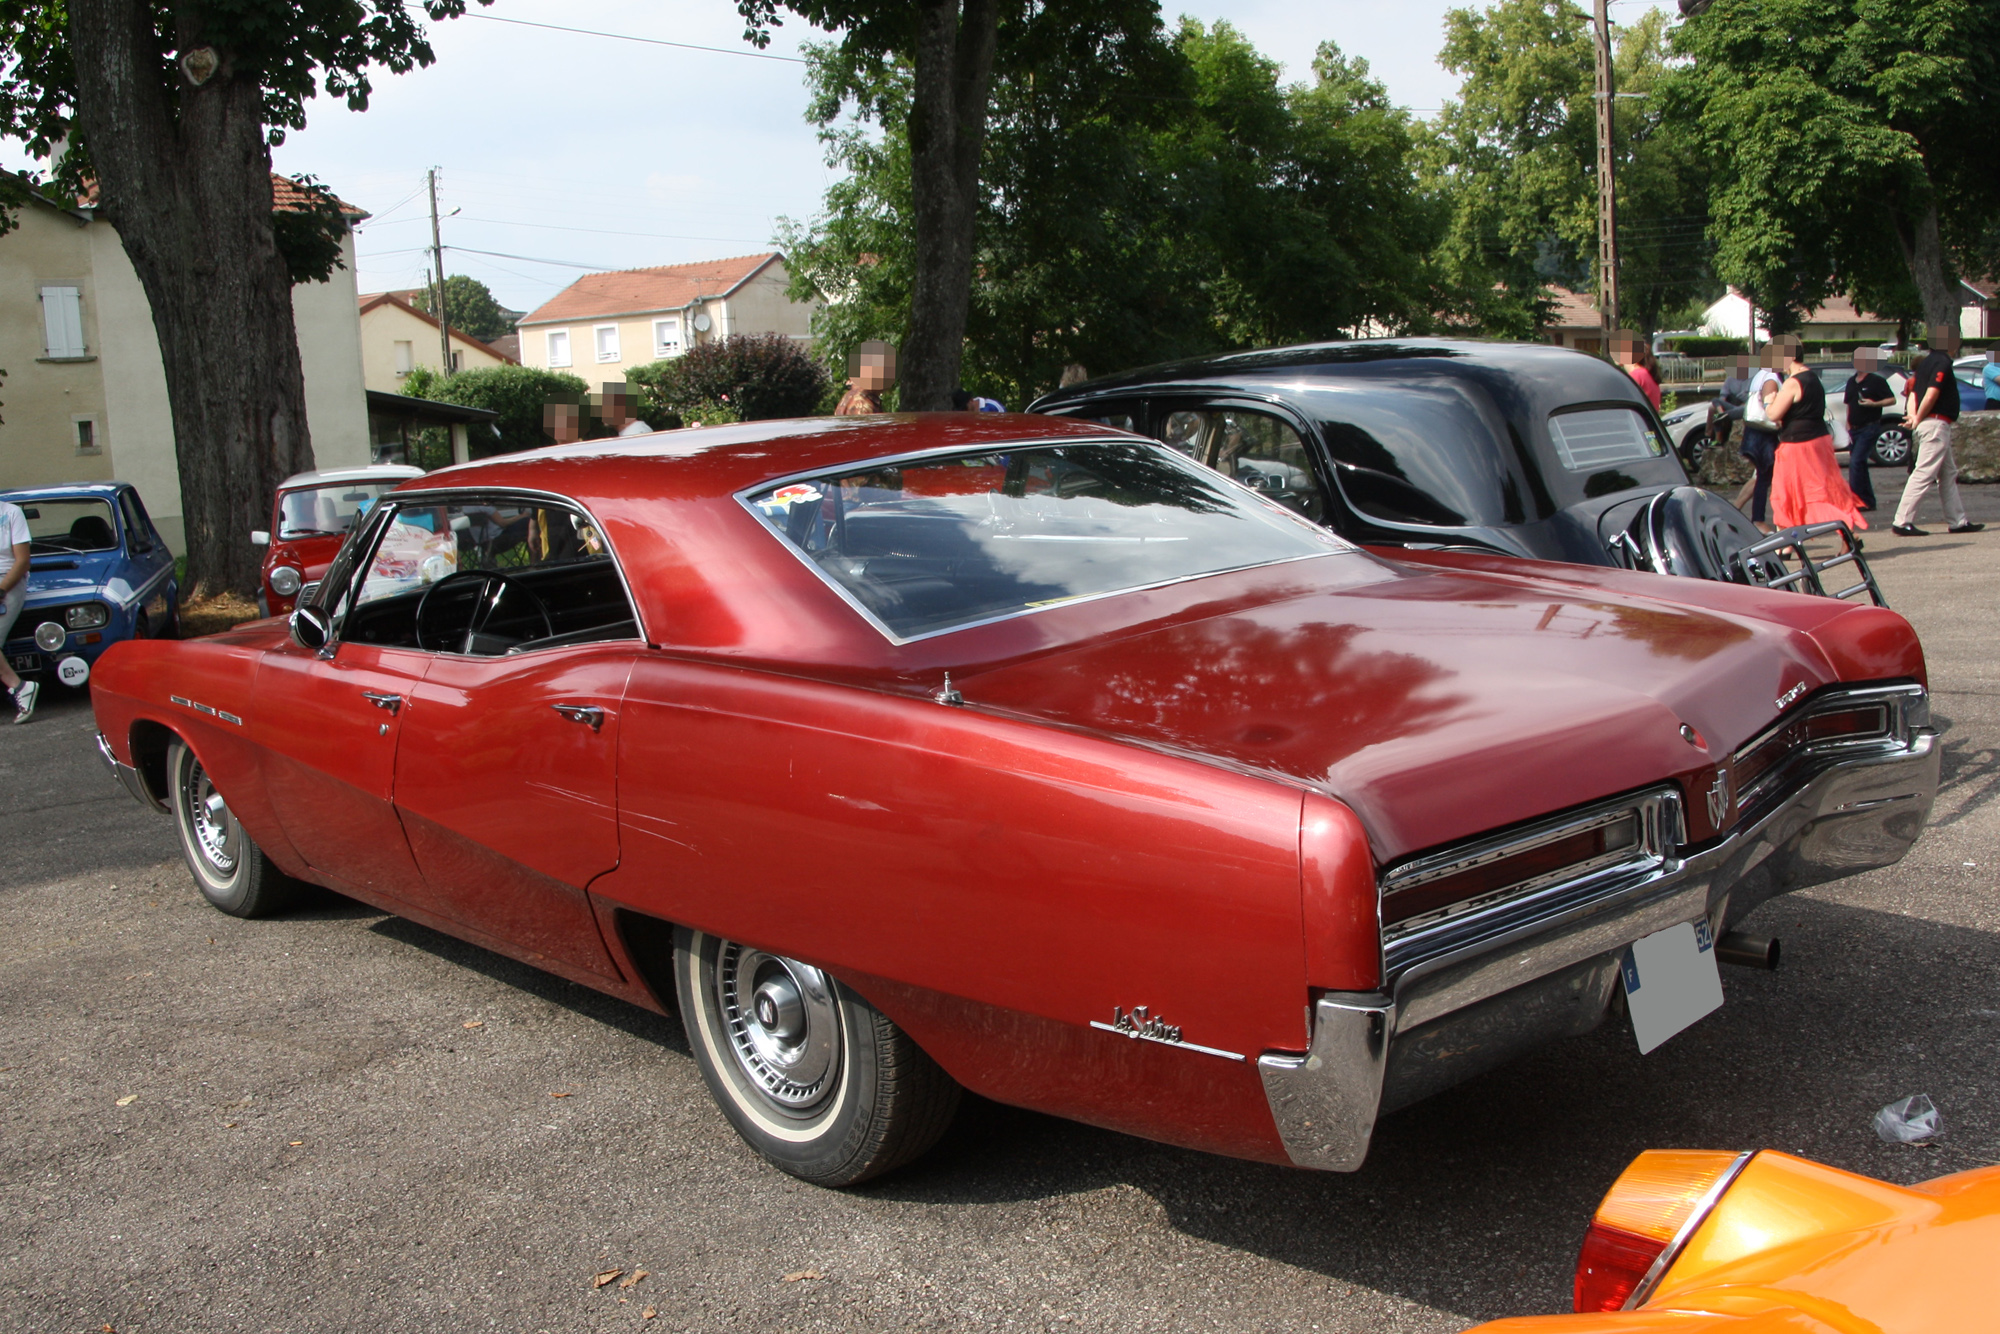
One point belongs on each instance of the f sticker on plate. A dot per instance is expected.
(1670, 981)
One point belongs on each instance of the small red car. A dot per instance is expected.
(901, 755)
(311, 516)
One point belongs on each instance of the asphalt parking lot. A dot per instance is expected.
(339, 1120)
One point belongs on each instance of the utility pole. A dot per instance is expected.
(1607, 200)
(437, 253)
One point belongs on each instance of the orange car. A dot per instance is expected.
(1689, 1242)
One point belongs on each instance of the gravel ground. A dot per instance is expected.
(338, 1120)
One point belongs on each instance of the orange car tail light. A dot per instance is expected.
(1645, 1219)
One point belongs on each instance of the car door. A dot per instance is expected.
(329, 722)
(506, 776)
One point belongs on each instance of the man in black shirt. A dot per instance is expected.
(1867, 394)
(1933, 410)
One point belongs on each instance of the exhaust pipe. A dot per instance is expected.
(1748, 951)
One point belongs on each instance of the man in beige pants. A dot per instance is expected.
(1933, 410)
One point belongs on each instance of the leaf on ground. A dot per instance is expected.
(229, 1125)
(648, 1313)
(128, 1100)
(634, 1277)
(295, 1144)
(801, 1275)
(474, 1023)
(605, 1277)
(563, 1094)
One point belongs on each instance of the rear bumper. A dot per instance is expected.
(1518, 974)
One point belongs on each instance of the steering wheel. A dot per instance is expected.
(493, 586)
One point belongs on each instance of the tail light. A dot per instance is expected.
(1645, 1219)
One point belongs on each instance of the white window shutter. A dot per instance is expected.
(62, 321)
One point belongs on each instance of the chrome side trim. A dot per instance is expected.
(128, 777)
(1703, 1208)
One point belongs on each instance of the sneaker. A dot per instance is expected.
(1967, 528)
(24, 700)
(1907, 530)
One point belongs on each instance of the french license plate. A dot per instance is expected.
(25, 662)
(1670, 981)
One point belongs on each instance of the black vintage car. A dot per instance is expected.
(1516, 448)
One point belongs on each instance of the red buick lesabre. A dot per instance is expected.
(1021, 755)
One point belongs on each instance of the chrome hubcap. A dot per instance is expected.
(216, 832)
(782, 1024)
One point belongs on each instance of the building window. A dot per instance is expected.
(62, 321)
(86, 435)
(607, 342)
(406, 359)
(667, 337)
(559, 347)
(457, 362)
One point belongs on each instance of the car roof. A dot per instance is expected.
(715, 461)
(372, 472)
(65, 490)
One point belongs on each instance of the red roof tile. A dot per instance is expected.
(370, 302)
(630, 291)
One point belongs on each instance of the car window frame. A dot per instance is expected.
(1156, 405)
(381, 514)
(1112, 436)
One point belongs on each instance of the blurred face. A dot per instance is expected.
(1743, 368)
(563, 421)
(1624, 350)
(1944, 337)
(872, 366)
(617, 408)
(1866, 359)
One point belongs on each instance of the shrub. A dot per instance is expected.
(1707, 347)
(745, 377)
(518, 394)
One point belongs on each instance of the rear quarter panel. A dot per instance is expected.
(993, 885)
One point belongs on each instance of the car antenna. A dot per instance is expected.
(947, 696)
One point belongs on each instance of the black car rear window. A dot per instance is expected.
(938, 543)
(1424, 453)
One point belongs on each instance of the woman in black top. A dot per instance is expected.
(1806, 485)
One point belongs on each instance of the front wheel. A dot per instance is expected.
(815, 1078)
(231, 871)
(1694, 448)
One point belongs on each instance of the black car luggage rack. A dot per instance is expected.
(1758, 563)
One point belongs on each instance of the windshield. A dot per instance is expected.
(312, 511)
(940, 543)
(69, 525)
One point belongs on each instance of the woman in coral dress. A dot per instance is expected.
(1806, 483)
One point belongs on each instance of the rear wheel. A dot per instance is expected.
(231, 871)
(815, 1078)
(1893, 448)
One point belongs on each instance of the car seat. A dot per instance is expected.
(91, 533)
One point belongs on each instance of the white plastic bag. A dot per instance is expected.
(1913, 1119)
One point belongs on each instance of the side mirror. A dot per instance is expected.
(259, 538)
(311, 629)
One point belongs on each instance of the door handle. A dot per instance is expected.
(381, 701)
(582, 713)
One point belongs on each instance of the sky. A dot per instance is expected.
(560, 153)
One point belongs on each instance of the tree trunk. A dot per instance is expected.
(1923, 252)
(954, 67)
(186, 180)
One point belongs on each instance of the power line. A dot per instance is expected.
(649, 41)
(596, 231)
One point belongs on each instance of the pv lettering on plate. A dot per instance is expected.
(1671, 980)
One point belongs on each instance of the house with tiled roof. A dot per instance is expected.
(396, 338)
(603, 324)
(86, 392)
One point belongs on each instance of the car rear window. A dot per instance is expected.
(328, 510)
(939, 543)
(69, 525)
(1596, 438)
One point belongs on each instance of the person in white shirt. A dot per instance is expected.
(13, 593)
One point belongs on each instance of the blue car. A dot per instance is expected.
(98, 572)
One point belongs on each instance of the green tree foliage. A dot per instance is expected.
(470, 308)
(1516, 156)
(1142, 197)
(518, 393)
(744, 377)
(1850, 138)
(309, 233)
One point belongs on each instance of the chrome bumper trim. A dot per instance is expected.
(128, 776)
(1529, 978)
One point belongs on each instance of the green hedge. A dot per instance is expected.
(1707, 347)
(518, 393)
(745, 377)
